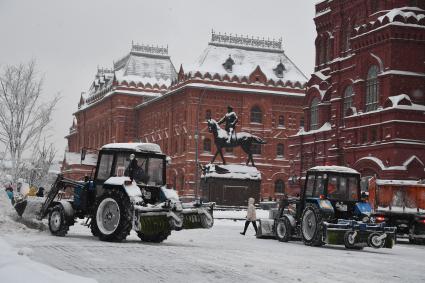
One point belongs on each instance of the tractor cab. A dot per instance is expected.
(145, 164)
(336, 186)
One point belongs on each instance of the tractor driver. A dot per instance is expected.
(231, 120)
(134, 171)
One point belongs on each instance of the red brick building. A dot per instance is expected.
(365, 103)
(255, 76)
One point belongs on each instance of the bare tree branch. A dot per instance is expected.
(23, 115)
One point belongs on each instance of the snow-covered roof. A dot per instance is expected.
(146, 64)
(139, 147)
(234, 171)
(73, 158)
(334, 168)
(247, 54)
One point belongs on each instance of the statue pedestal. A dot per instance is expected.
(230, 185)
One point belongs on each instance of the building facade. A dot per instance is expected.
(254, 76)
(365, 104)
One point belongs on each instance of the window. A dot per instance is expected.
(280, 150)
(256, 115)
(310, 186)
(364, 136)
(279, 187)
(155, 172)
(182, 182)
(302, 121)
(373, 135)
(372, 89)
(208, 114)
(314, 114)
(256, 148)
(105, 166)
(348, 98)
(281, 121)
(346, 36)
(207, 145)
(342, 188)
(319, 185)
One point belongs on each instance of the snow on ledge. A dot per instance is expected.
(399, 182)
(384, 168)
(234, 171)
(139, 147)
(333, 168)
(326, 127)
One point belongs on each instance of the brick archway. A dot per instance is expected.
(367, 167)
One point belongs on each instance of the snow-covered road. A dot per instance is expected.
(220, 254)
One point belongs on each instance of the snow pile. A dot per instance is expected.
(15, 266)
(8, 216)
(234, 171)
(10, 222)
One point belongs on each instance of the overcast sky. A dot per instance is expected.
(69, 39)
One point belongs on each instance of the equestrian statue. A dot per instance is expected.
(229, 137)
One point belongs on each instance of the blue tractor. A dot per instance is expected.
(128, 192)
(330, 210)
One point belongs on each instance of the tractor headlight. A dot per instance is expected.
(366, 219)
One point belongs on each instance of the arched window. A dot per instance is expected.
(256, 115)
(281, 121)
(280, 150)
(314, 114)
(207, 145)
(279, 186)
(208, 114)
(348, 98)
(372, 88)
(182, 182)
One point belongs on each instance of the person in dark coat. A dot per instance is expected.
(231, 119)
(40, 192)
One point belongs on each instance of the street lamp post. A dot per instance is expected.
(197, 145)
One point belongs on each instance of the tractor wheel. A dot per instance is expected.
(283, 230)
(154, 238)
(112, 219)
(58, 225)
(374, 241)
(312, 226)
(350, 241)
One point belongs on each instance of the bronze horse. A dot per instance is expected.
(242, 139)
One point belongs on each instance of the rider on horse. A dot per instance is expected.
(231, 120)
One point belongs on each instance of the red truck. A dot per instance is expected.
(400, 203)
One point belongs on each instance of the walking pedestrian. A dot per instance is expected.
(251, 216)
